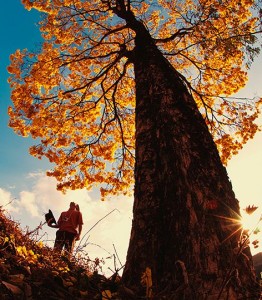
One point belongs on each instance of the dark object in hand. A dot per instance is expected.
(49, 217)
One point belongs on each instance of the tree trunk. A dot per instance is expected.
(185, 223)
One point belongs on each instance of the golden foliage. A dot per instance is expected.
(77, 94)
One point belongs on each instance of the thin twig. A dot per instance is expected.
(117, 256)
(97, 223)
(36, 229)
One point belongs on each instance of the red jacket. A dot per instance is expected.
(70, 220)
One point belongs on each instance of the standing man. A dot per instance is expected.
(69, 227)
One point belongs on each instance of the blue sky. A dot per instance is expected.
(18, 30)
(23, 180)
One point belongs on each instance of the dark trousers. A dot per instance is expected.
(65, 240)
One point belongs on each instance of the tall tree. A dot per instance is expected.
(126, 92)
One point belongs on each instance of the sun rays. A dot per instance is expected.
(245, 226)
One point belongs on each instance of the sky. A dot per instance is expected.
(27, 193)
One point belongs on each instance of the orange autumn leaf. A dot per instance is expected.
(250, 209)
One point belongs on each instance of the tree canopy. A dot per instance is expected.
(76, 95)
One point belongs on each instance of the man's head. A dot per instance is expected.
(72, 205)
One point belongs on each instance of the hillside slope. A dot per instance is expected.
(29, 270)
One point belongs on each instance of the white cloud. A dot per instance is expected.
(7, 201)
(110, 233)
(28, 202)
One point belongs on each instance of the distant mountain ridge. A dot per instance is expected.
(257, 260)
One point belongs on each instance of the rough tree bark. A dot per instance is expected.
(184, 209)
